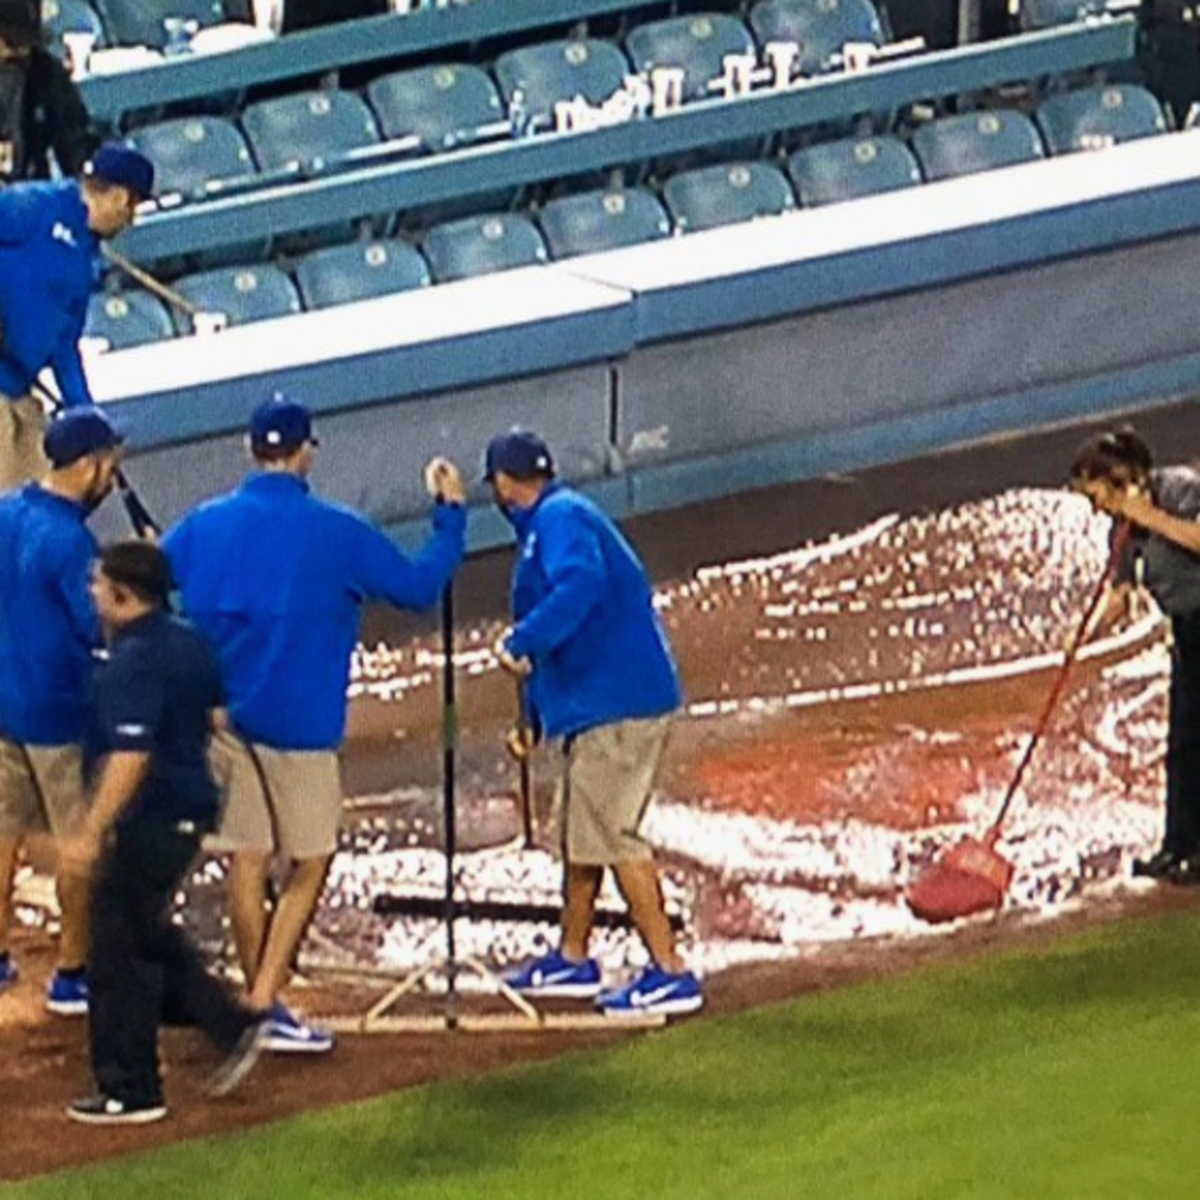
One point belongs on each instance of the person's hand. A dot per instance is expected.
(77, 855)
(518, 667)
(520, 741)
(444, 481)
(1134, 505)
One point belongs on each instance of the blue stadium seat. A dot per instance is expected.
(143, 22)
(444, 106)
(244, 294)
(1095, 117)
(195, 156)
(854, 167)
(698, 44)
(726, 194)
(603, 220)
(71, 16)
(310, 130)
(125, 319)
(978, 141)
(481, 245)
(551, 72)
(819, 27)
(343, 274)
(1045, 14)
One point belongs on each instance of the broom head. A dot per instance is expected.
(970, 878)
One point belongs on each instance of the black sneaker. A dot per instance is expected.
(1158, 866)
(106, 1110)
(240, 1061)
(1185, 872)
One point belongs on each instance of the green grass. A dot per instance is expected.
(1070, 1073)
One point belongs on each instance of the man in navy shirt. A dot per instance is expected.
(151, 710)
(50, 235)
(276, 578)
(48, 633)
(602, 678)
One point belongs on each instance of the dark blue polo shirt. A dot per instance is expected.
(155, 694)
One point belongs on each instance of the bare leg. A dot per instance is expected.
(75, 900)
(639, 885)
(582, 888)
(9, 848)
(248, 908)
(292, 915)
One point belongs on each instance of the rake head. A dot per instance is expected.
(972, 877)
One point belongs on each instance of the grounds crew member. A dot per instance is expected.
(152, 707)
(1116, 472)
(43, 119)
(48, 632)
(50, 235)
(601, 677)
(277, 578)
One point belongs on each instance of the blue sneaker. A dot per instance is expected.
(67, 995)
(287, 1034)
(8, 973)
(654, 992)
(555, 975)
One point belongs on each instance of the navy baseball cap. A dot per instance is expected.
(122, 166)
(280, 425)
(518, 453)
(78, 433)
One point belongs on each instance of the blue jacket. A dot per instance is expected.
(48, 270)
(48, 625)
(585, 618)
(275, 577)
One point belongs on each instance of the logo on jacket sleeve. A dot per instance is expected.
(61, 233)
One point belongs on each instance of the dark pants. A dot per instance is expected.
(143, 970)
(1183, 739)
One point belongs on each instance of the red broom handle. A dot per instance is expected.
(1060, 681)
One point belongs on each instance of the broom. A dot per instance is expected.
(972, 876)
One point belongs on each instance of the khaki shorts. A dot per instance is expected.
(22, 424)
(287, 802)
(51, 800)
(609, 776)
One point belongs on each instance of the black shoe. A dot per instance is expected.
(1185, 872)
(105, 1110)
(240, 1061)
(1158, 866)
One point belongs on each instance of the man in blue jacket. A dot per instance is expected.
(50, 235)
(48, 632)
(276, 578)
(602, 678)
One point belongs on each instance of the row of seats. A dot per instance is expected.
(446, 106)
(129, 22)
(704, 198)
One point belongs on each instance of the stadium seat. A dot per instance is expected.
(1045, 14)
(194, 156)
(343, 274)
(444, 106)
(310, 130)
(697, 44)
(244, 294)
(1096, 117)
(978, 141)
(726, 195)
(71, 16)
(480, 245)
(819, 27)
(125, 319)
(546, 74)
(854, 167)
(143, 22)
(603, 220)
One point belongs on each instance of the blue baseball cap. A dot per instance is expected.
(78, 433)
(280, 425)
(122, 166)
(518, 453)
